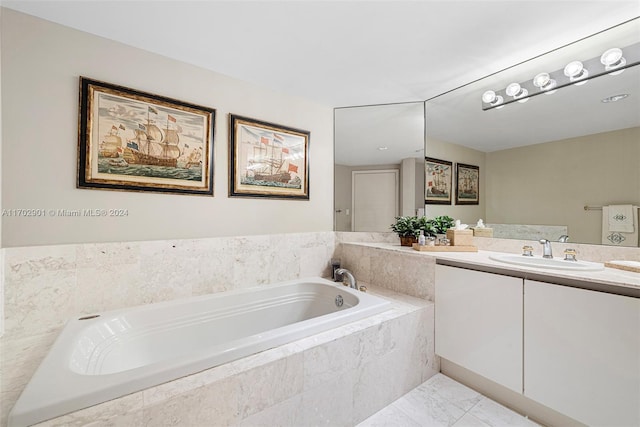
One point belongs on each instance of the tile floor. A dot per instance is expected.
(441, 401)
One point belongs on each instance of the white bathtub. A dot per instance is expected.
(119, 352)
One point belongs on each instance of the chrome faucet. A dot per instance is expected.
(546, 248)
(350, 277)
(563, 239)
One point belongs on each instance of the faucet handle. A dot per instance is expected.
(570, 255)
(527, 250)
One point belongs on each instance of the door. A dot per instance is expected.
(375, 198)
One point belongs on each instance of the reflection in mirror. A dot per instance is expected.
(555, 160)
(379, 165)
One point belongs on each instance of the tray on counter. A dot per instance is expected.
(458, 248)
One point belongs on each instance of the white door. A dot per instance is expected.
(375, 198)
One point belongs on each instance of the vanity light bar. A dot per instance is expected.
(613, 62)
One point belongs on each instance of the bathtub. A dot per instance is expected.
(104, 356)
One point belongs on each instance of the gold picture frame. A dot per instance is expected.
(130, 140)
(267, 160)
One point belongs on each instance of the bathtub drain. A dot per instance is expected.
(339, 301)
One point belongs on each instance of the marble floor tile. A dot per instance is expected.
(441, 401)
(389, 416)
(458, 394)
(496, 415)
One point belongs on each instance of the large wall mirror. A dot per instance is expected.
(556, 159)
(548, 165)
(379, 165)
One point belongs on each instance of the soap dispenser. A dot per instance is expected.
(422, 240)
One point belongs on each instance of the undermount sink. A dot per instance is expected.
(553, 263)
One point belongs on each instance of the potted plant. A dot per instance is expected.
(442, 223)
(407, 228)
(427, 226)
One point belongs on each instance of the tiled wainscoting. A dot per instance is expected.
(46, 285)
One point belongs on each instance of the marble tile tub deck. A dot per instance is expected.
(338, 378)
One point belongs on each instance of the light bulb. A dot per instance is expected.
(490, 97)
(544, 82)
(576, 71)
(513, 89)
(518, 92)
(613, 59)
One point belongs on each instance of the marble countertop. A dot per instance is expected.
(607, 280)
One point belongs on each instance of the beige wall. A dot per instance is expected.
(551, 183)
(41, 63)
(468, 214)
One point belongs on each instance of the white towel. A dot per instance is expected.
(618, 238)
(621, 218)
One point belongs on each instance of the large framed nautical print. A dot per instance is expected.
(267, 160)
(135, 141)
(438, 178)
(467, 184)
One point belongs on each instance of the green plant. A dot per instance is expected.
(427, 226)
(406, 226)
(410, 226)
(442, 223)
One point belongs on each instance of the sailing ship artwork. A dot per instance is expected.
(145, 142)
(268, 159)
(467, 185)
(438, 180)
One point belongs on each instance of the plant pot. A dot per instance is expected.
(408, 240)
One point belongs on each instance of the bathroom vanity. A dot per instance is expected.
(568, 342)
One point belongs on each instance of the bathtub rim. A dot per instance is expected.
(45, 382)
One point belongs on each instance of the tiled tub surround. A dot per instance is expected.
(123, 351)
(46, 285)
(338, 377)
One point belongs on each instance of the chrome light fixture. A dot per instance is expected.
(517, 92)
(575, 71)
(491, 98)
(544, 82)
(612, 59)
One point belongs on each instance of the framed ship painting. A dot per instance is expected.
(467, 184)
(438, 180)
(135, 141)
(267, 160)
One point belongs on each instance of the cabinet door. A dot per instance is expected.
(479, 323)
(582, 353)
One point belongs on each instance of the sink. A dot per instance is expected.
(553, 263)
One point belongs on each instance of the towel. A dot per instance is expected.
(619, 238)
(621, 218)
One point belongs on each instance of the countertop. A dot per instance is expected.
(608, 280)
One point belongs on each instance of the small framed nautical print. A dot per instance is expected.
(135, 141)
(467, 184)
(267, 160)
(438, 179)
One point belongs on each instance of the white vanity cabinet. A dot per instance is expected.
(582, 353)
(478, 323)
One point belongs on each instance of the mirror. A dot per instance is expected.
(378, 165)
(554, 160)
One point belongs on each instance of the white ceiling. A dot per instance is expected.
(351, 53)
(343, 53)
